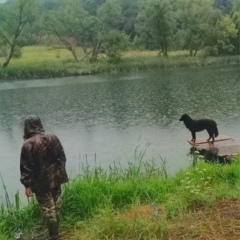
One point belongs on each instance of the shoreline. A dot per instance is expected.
(113, 202)
(70, 68)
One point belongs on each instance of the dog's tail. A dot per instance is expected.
(215, 130)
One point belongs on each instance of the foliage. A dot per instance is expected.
(155, 24)
(110, 14)
(236, 12)
(50, 4)
(69, 24)
(92, 5)
(224, 5)
(227, 32)
(111, 40)
(13, 19)
(17, 52)
(129, 12)
(163, 25)
(195, 18)
(115, 44)
(220, 36)
(76, 27)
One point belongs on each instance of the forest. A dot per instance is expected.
(115, 26)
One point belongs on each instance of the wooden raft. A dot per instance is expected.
(224, 148)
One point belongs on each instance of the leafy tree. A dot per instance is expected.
(13, 19)
(115, 44)
(110, 14)
(227, 32)
(52, 25)
(110, 38)
(224, 5)
(92, 5)
(129, 13)
(72, 25)
(155, 24)
(236, 18)
(195, 18)
(8, 2)
(220, 35)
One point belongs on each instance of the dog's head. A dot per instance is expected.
(184, 117)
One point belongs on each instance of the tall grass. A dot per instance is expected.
(94, 200)
(14, 218)
(118, 187)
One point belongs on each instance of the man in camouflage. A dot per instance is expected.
(42, 166)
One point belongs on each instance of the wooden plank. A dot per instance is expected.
(204, 140)
(224, 147)
(231, 150)
(208, 145)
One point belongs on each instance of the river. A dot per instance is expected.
(105, 118)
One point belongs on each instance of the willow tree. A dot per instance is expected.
(155, 24)
(13, 19)
(111, 39)
(72, 25)
(195, 19)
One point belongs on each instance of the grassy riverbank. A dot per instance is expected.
(43, 62)
(114, 204)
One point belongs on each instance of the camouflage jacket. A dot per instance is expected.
(42, 162)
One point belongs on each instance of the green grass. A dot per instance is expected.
(93, 201)
(42, 62)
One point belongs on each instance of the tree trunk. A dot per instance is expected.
(73, 53)
(165, 50)
(191, 52)
(95, 52)
(10, 55)
(165, 53)
(239, 42)
(86, 54)
(94, 56)
(195, 52)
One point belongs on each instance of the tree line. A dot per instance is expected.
(113, 26)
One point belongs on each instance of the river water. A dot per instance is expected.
(105, 118)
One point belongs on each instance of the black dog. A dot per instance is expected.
(200, 125)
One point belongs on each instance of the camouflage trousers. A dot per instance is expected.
(50, 204)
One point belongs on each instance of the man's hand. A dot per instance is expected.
(28, 192)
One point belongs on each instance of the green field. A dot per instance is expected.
(44, 62)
